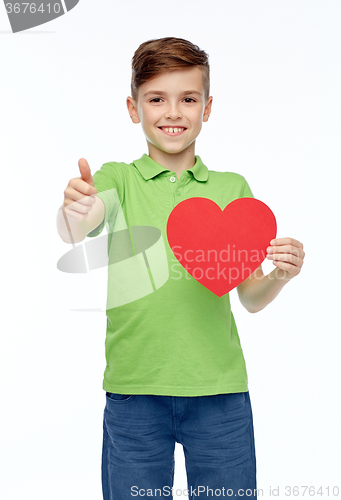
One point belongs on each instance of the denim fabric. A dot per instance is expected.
(139, 436)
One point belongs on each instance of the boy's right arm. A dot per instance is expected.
(81, 211)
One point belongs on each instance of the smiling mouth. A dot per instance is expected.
(173, 130)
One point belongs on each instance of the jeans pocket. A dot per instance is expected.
(119, 398)
(233, 400)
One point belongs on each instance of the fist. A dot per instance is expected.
(79, 196)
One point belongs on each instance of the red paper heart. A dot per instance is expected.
(220, 248)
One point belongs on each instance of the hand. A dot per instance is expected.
(287, 254)
(79, 196)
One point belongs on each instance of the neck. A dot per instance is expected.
(176, 162)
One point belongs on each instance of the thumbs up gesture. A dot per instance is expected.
(79, 196)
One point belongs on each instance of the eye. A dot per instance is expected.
(157, 99)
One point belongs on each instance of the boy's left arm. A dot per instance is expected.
(258, 290)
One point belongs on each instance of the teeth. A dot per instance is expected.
(173, 130)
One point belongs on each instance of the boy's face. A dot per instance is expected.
(165, 101)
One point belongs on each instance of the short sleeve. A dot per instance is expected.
(109, 184)
(246, 190)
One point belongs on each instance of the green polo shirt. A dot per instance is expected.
(166, 333)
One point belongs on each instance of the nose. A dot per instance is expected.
(173, 112)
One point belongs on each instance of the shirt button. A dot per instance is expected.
(178, 193)
(172, 179)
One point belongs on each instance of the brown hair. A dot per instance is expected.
(161, 55)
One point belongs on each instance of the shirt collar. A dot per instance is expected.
(149, 168)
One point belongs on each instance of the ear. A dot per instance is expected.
(131, 105)
(207, 110)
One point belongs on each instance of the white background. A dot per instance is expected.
(275, 81)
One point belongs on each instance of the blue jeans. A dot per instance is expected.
(139, 436)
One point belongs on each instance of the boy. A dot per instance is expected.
(175, 368)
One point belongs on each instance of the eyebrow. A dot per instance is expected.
(160, 92)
